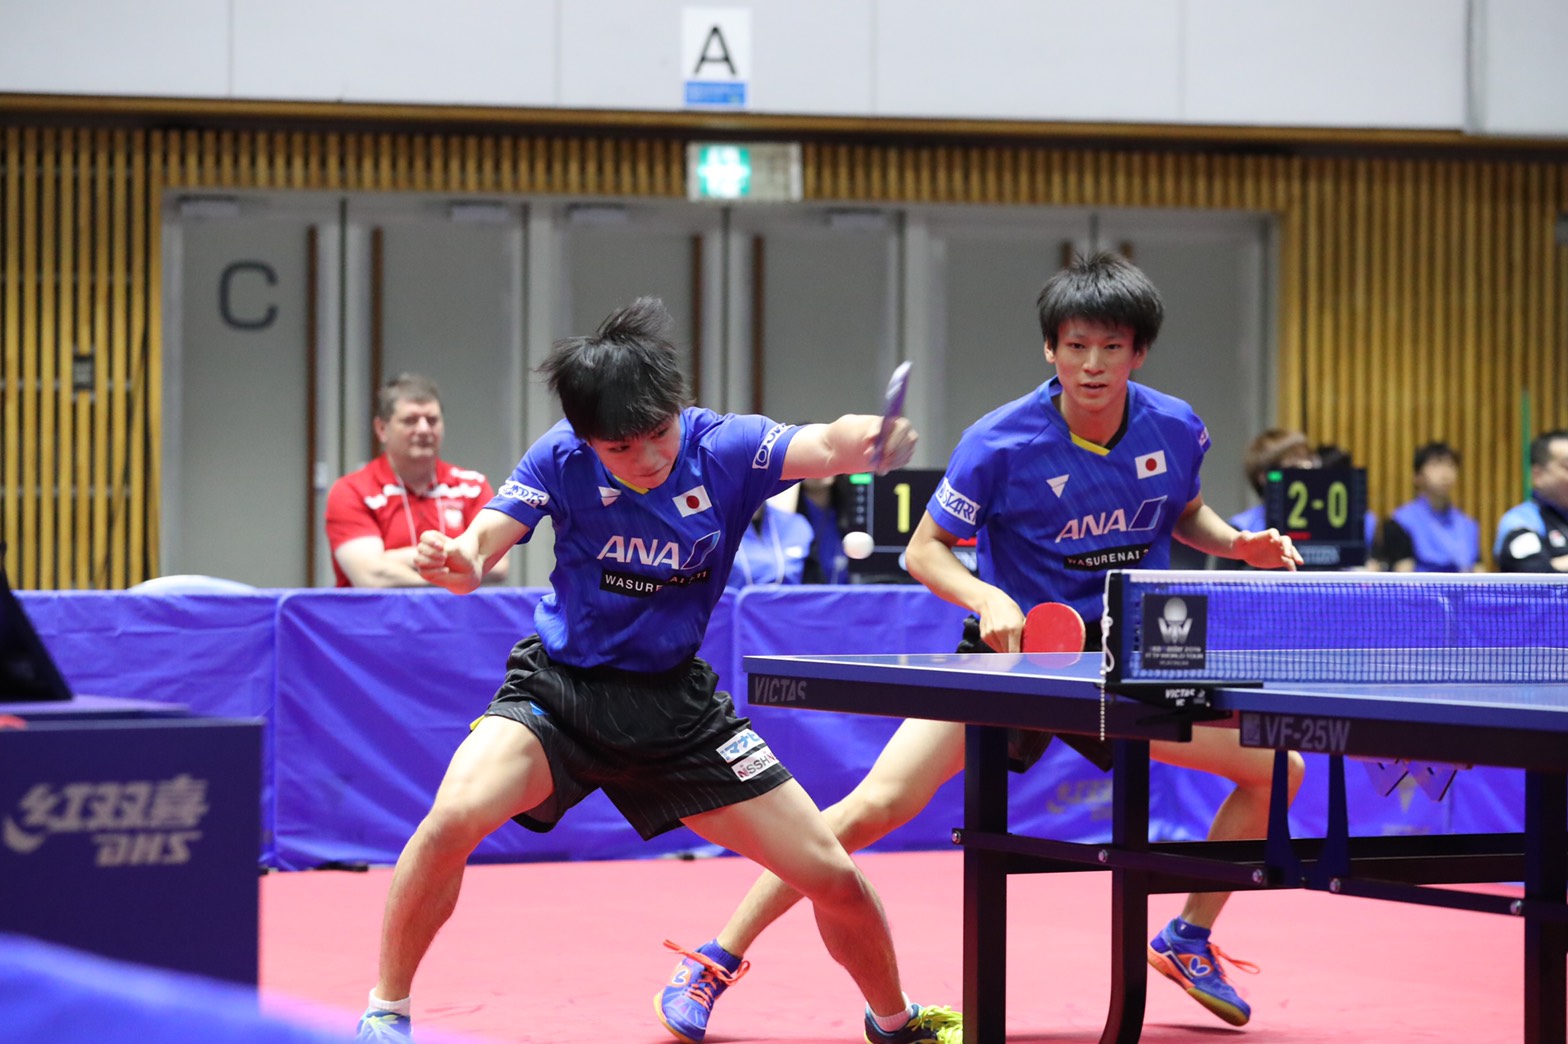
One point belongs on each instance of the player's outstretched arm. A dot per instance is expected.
(1200, 527)
(931, 560)
(846, 446)
(459, 563)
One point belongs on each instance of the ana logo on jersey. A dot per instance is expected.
(692, 501)
(512, 489)
(651, 552)
(1058, 483)
(1150, 464)
(1145, 518)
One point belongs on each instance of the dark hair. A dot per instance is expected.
(1435, 451)
(1331, 456)
(412, 387)
(623, 381)
(1541, 447)
(1103, 288)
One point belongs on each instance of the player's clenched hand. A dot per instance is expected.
(900, 446)
(439, 560)
(1269, 549)
(1001, 623)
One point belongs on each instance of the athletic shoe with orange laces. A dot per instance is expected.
(686, 1003)
(1183, 954)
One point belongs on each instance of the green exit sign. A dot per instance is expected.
(757, 172)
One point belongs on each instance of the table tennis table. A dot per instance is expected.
(1514, 724)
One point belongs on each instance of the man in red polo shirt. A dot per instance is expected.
(375, 514)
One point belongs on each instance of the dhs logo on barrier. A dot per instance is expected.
(133, 823)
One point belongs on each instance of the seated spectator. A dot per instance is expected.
(375, 515)
(1274, 449)
(775, 549)
(1429, 534)
(1532, 537)
(1282, 448)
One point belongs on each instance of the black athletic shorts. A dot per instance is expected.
(661, 746)
(1027, 746)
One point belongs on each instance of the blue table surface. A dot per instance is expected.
(1514, 706)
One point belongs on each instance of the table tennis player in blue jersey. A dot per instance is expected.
(649, 500)
(1086, 473)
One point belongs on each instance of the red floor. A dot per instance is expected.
(570, 953)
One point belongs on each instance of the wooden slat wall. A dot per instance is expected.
(1418, 298)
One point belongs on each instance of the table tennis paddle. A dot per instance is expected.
(892, 409)
(1053, 627)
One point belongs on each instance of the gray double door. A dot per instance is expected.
(283, 311)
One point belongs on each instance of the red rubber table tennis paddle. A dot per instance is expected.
(1053, 627)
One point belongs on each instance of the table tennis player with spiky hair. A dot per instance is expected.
(1086, 473)
(649, 500)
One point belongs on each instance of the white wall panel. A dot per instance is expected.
(156, 47)
(1110, 61)
(1521, 77)
(478, 52)
(1329, 63)
(809, 56)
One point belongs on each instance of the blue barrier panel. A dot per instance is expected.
(375, 692)
(1063, 795)
(210, 653)
(135, 839)
(65, 996)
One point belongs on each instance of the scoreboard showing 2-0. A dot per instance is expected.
(1323, 511)
(889, 507)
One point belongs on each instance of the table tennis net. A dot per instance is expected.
(1335, 627)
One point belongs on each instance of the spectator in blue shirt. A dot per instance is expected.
(1429, 534)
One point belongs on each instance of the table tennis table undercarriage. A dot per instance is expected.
(1398, 868)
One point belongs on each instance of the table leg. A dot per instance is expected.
(1129, 894)
(985, 888)
(1545, 878)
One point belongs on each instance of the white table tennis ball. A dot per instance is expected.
(858, 544)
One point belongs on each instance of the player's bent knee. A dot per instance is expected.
(840, 888)
(871, 813)
(453, 823)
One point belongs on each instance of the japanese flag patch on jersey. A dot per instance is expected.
(692, 501)
(1150, 464)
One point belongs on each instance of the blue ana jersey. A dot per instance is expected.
(1054, 513)
(637, 573)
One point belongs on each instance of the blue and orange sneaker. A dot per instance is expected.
(385, 1026)
(702, 975)
(1183, 954)
(933, 1025)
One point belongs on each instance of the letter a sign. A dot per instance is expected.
(715, 56)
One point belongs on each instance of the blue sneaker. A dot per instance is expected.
(933, 1025)
(380, 1025)
(1194, 965)
(702, 975)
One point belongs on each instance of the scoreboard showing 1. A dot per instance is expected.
(889, 507)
